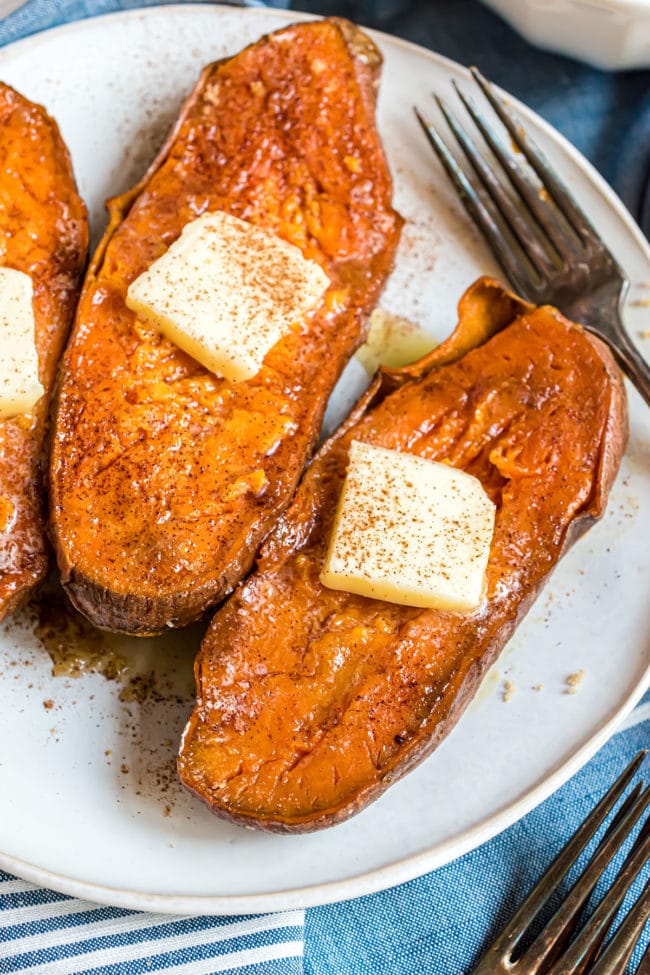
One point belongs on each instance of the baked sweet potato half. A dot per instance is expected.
(310, 702)
(43, 233)
(165, 478)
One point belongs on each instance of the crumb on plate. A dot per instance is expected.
(574, 681)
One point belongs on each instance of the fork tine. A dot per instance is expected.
(644, 833)
(616, 956)
(554, 186)
(515, 929)
(545, 944)
(621, 812)
(522, 183)
(474, 202)
(520, 227)
(604, 916)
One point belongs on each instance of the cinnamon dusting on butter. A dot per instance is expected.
(410, 531)
(20, 386)
(227, 291)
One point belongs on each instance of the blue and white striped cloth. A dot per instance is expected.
(43, 933)
(439, 923)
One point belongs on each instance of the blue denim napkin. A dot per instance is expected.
(438, 924)
(441, 923)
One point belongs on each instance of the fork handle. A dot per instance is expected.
(632, 363)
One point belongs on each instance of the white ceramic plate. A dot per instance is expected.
(89, 803)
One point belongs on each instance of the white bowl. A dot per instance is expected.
(605, 33)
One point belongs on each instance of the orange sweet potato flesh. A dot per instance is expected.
(311, 701)
(164, 477)
(44, 233)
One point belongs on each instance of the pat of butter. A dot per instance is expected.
(20, 388)
(226, 291)
(410, 531)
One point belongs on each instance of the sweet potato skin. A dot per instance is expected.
(165, 478)
(44, 233)
(310, 702)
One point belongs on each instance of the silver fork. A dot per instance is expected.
(542, 239)
(552, 952)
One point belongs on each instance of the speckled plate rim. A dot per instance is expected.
(410, 867)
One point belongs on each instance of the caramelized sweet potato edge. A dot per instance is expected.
(71, 262)
(484, 309)
(140, 613)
